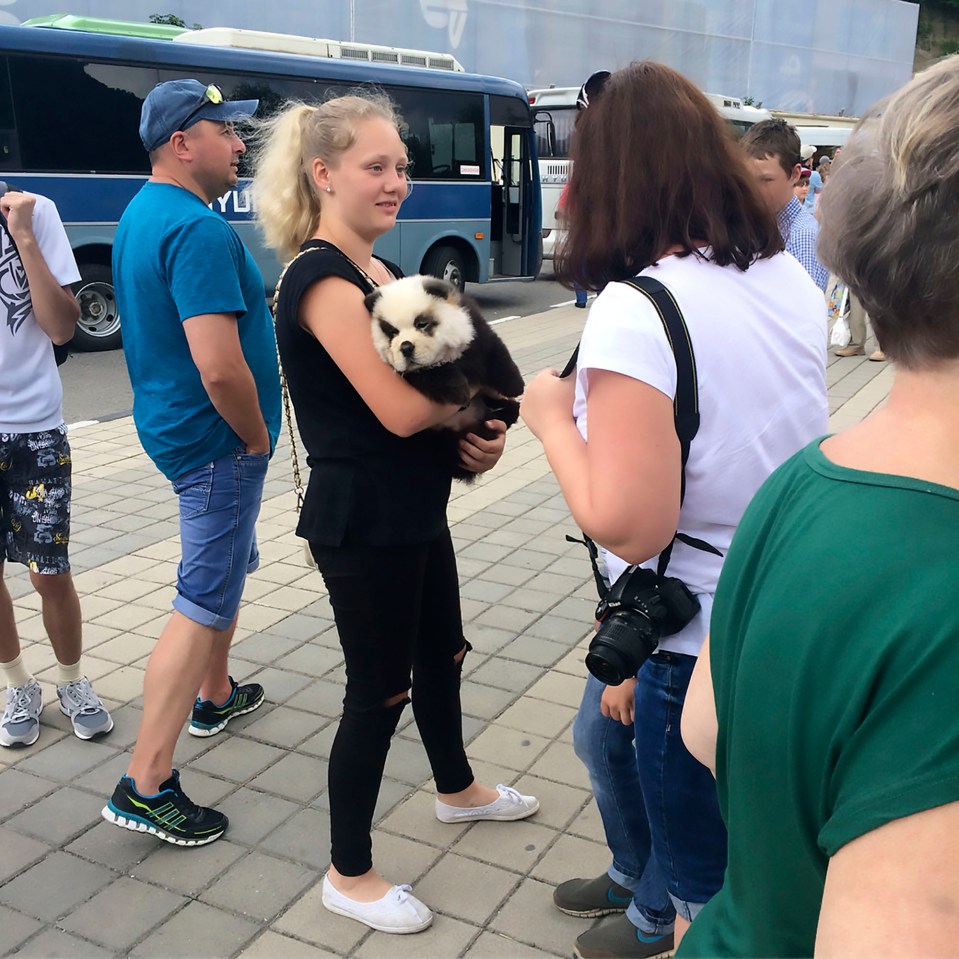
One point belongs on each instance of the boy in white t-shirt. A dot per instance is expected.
(38, 309)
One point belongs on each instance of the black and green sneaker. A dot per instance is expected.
(169, 815)
(208, 718)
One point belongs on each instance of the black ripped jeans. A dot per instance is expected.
(397, 612)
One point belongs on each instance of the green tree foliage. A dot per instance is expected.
(172, 20)
(938, 30)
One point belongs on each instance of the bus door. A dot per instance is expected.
(515, 241)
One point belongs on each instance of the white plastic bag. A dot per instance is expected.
(841, 334)
(837, 303)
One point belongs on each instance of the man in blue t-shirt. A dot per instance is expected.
(200, 351)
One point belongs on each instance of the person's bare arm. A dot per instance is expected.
(623, 486)
(214, 342)
(894, 891)
(333, 311)
(54, 306)
(698, 723)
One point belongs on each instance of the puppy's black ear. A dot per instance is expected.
(372, 298)
(438, 288)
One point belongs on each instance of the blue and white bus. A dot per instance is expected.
(69, 114)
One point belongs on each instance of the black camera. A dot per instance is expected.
(639, 609)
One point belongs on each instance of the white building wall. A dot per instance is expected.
(819, 56)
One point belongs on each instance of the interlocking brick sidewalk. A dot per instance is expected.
(71, 885)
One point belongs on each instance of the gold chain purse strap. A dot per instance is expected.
(284, 389)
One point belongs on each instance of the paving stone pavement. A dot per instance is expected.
(71, 885)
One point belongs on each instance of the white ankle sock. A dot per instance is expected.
(15, 673)
(68, 674)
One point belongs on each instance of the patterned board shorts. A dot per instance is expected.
(35, 471)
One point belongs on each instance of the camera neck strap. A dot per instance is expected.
(686, 400)
(685, 406)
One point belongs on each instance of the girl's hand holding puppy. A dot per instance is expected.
(548, 402)
(479, 455)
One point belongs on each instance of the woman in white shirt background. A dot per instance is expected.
(689, 217)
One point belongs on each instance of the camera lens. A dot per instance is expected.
(624, 642)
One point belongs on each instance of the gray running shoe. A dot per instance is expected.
(20, 725)
(88, 715)
(591, 897)
(618, 938)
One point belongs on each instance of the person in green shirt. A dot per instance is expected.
(826, 697)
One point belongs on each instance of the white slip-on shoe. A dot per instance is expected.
(397, 912)
(510, 805)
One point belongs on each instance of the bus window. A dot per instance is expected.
(98, 114)
(452, 144)
(554, 128)
(9, 153)
(272, 92)
(445, 133)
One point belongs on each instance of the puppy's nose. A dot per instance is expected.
(407, 348)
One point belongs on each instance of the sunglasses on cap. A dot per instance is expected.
(592, 88)
(212, 94)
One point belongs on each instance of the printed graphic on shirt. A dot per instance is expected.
(14, 291)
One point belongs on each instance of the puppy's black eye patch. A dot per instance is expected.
(425, 324)
(388, 331)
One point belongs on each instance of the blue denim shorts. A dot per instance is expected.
(219, 503)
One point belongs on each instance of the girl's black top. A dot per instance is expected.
(367, 486)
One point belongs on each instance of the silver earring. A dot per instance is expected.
(328, 190)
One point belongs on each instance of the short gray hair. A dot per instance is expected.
(890, 218)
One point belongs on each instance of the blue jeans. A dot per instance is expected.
(219, 503)
(658, 804)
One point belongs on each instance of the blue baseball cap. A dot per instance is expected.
(178, 104)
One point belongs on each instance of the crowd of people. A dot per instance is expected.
(776, 765)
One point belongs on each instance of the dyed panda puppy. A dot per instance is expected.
(441, 345)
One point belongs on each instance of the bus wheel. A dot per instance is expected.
(98, 328)
(446, 262)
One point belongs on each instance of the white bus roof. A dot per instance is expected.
(315, 47)
(733, 108)
(553, 97)
(824, 136)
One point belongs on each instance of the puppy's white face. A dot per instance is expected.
(417, 322)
